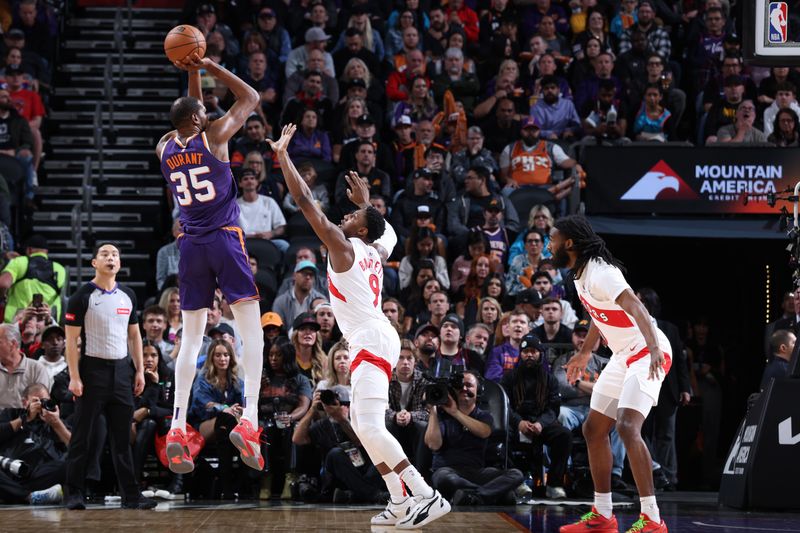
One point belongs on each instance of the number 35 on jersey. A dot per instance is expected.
(192, 188)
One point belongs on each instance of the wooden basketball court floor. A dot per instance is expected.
(684, 513)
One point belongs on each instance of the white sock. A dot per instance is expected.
(194, 324)
(602, 504)
(650, 508)
(181, 405)
(248, 321)
(395, 487)
(414, 481)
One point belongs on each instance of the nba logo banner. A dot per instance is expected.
(778, 18)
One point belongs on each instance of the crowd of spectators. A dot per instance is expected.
(450, 113)
(27, 54)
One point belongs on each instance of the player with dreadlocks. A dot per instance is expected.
(628, 387)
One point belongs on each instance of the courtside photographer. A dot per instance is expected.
(33, 443)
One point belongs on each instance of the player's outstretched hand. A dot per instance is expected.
(282, 144)
(357, 190)
(576, 366)
(657, 361)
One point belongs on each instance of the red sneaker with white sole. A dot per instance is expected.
(248, 441)
(592, 522)
(178, 456)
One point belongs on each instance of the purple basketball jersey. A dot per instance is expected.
(202, 185)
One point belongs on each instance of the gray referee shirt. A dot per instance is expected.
(104, 317)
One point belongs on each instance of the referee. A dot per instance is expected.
(102, 377)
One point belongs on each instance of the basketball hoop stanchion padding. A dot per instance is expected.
(762, 468)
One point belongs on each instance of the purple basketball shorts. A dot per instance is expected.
(215, 259)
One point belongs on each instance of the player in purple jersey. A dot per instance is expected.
(194, 161)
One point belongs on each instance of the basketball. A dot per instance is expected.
(183, 40)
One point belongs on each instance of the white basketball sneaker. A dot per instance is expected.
(425, 512)
(394, 512)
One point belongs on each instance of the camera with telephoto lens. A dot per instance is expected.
(49, 405)
(331, 397)
(15, 467)
(447, 379)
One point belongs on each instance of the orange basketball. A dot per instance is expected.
(183, 40)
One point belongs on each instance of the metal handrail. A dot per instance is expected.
(119, 41)
(109, 90)
(88, 194)
(98, 142)
(77, 241)
(129, 33)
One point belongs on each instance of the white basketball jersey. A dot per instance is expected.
(356, 293)
(598, 289)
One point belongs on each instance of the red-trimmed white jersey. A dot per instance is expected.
(356, 293)
(598, 289)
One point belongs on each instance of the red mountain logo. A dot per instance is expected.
(660, 183)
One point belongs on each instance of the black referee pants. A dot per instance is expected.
(108, 390)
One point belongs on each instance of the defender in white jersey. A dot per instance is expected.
(356, 251)
(629, 385)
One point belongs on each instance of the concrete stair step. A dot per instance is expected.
(120, 104)
(131, 81)
(61, 205)
(65, 245)
(61, 140)
(107, 229)
(108, 34)
(108, 151)
(155, 13)
(140, 116)
(112, 165)
(99, 68)
(136, 23)
(97, 217)
(113, 175)
(99, 92)
(65, 191)
(123, 129)
(154, 43)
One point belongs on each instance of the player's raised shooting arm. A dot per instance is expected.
(195, 89)
(247, 98)
(330, 234)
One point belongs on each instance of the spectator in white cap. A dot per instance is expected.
(316, 39)
(403, 147)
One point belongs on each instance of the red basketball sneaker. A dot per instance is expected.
(248, 442)
(645, 525)
(593, 522)
(178, 456)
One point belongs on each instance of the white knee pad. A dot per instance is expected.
(368, 421)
